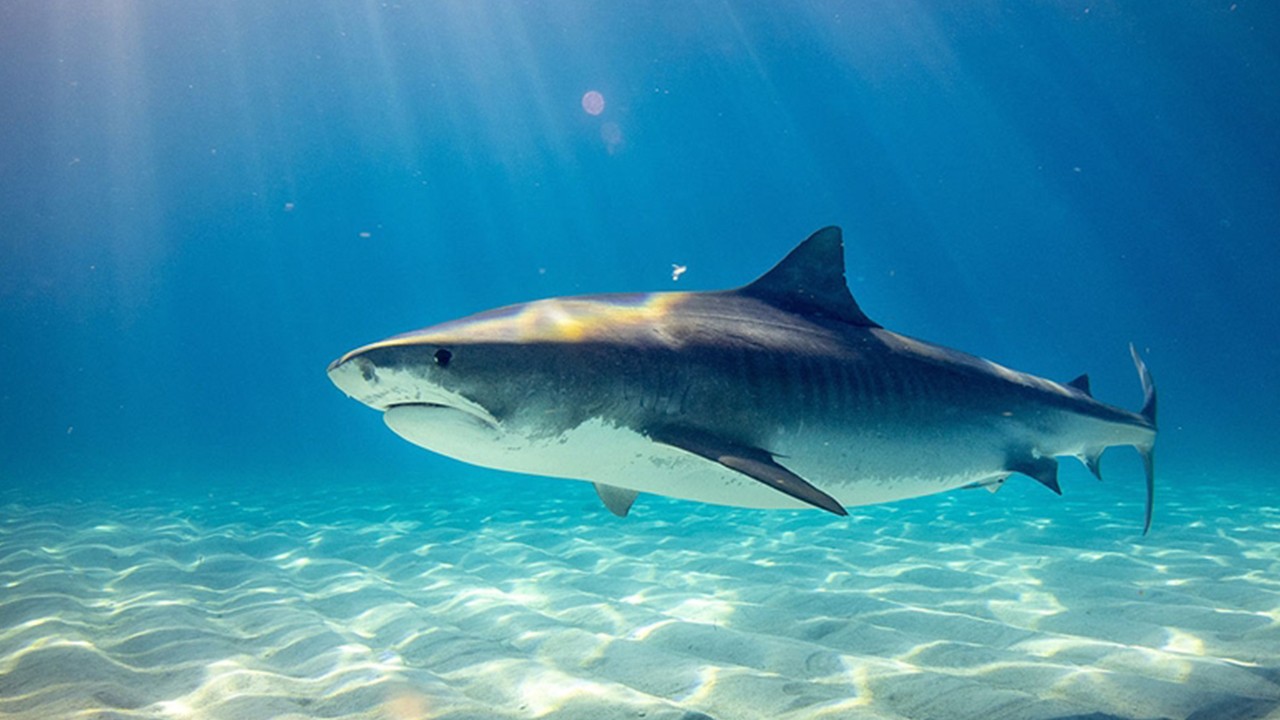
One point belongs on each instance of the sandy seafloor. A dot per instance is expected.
(529, 600)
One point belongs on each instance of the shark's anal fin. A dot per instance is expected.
(1092, 460)
(617, 499)
(1041, 468)
(753, 462)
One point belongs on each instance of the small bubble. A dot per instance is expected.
(288, 207)
(365, 235)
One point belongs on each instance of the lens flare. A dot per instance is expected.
(593, 102)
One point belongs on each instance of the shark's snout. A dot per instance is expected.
(360, 378)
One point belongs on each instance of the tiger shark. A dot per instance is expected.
(778, 394)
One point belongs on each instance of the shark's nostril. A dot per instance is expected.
(368, 370)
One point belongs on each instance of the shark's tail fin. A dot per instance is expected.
(1149, 412)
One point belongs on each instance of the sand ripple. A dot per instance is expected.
(414, 604)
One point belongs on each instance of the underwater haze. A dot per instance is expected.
(204, 204)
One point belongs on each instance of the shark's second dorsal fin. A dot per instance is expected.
(1082, 384)
(810, 281)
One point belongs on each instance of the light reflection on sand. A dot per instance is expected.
(344, 606)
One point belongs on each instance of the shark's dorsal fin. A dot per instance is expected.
(810, 281)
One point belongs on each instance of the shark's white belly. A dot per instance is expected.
(855, 471)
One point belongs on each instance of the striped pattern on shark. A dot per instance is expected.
(778, 394)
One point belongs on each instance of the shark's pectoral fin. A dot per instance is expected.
(753, 462)
(765, 470)
(1040, 468)
(617, 499)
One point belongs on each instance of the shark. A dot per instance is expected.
(778, 394)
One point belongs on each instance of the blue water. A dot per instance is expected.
(201, 205)
(186, 188)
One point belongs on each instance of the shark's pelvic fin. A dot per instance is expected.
(810, 281)
(1042, 469)
(1149, 412)
(753, 462)
(617, 499)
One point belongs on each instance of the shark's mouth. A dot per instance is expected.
(431, 413)
(446, 429)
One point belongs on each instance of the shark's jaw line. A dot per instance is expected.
(445, 429)
(472, 411)
(778, 394)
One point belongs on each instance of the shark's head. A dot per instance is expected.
(425, 396)
(482, 389)
(443, 388)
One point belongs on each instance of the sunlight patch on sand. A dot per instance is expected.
(348, 607)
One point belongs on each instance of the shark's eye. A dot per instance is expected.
(443, 357)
